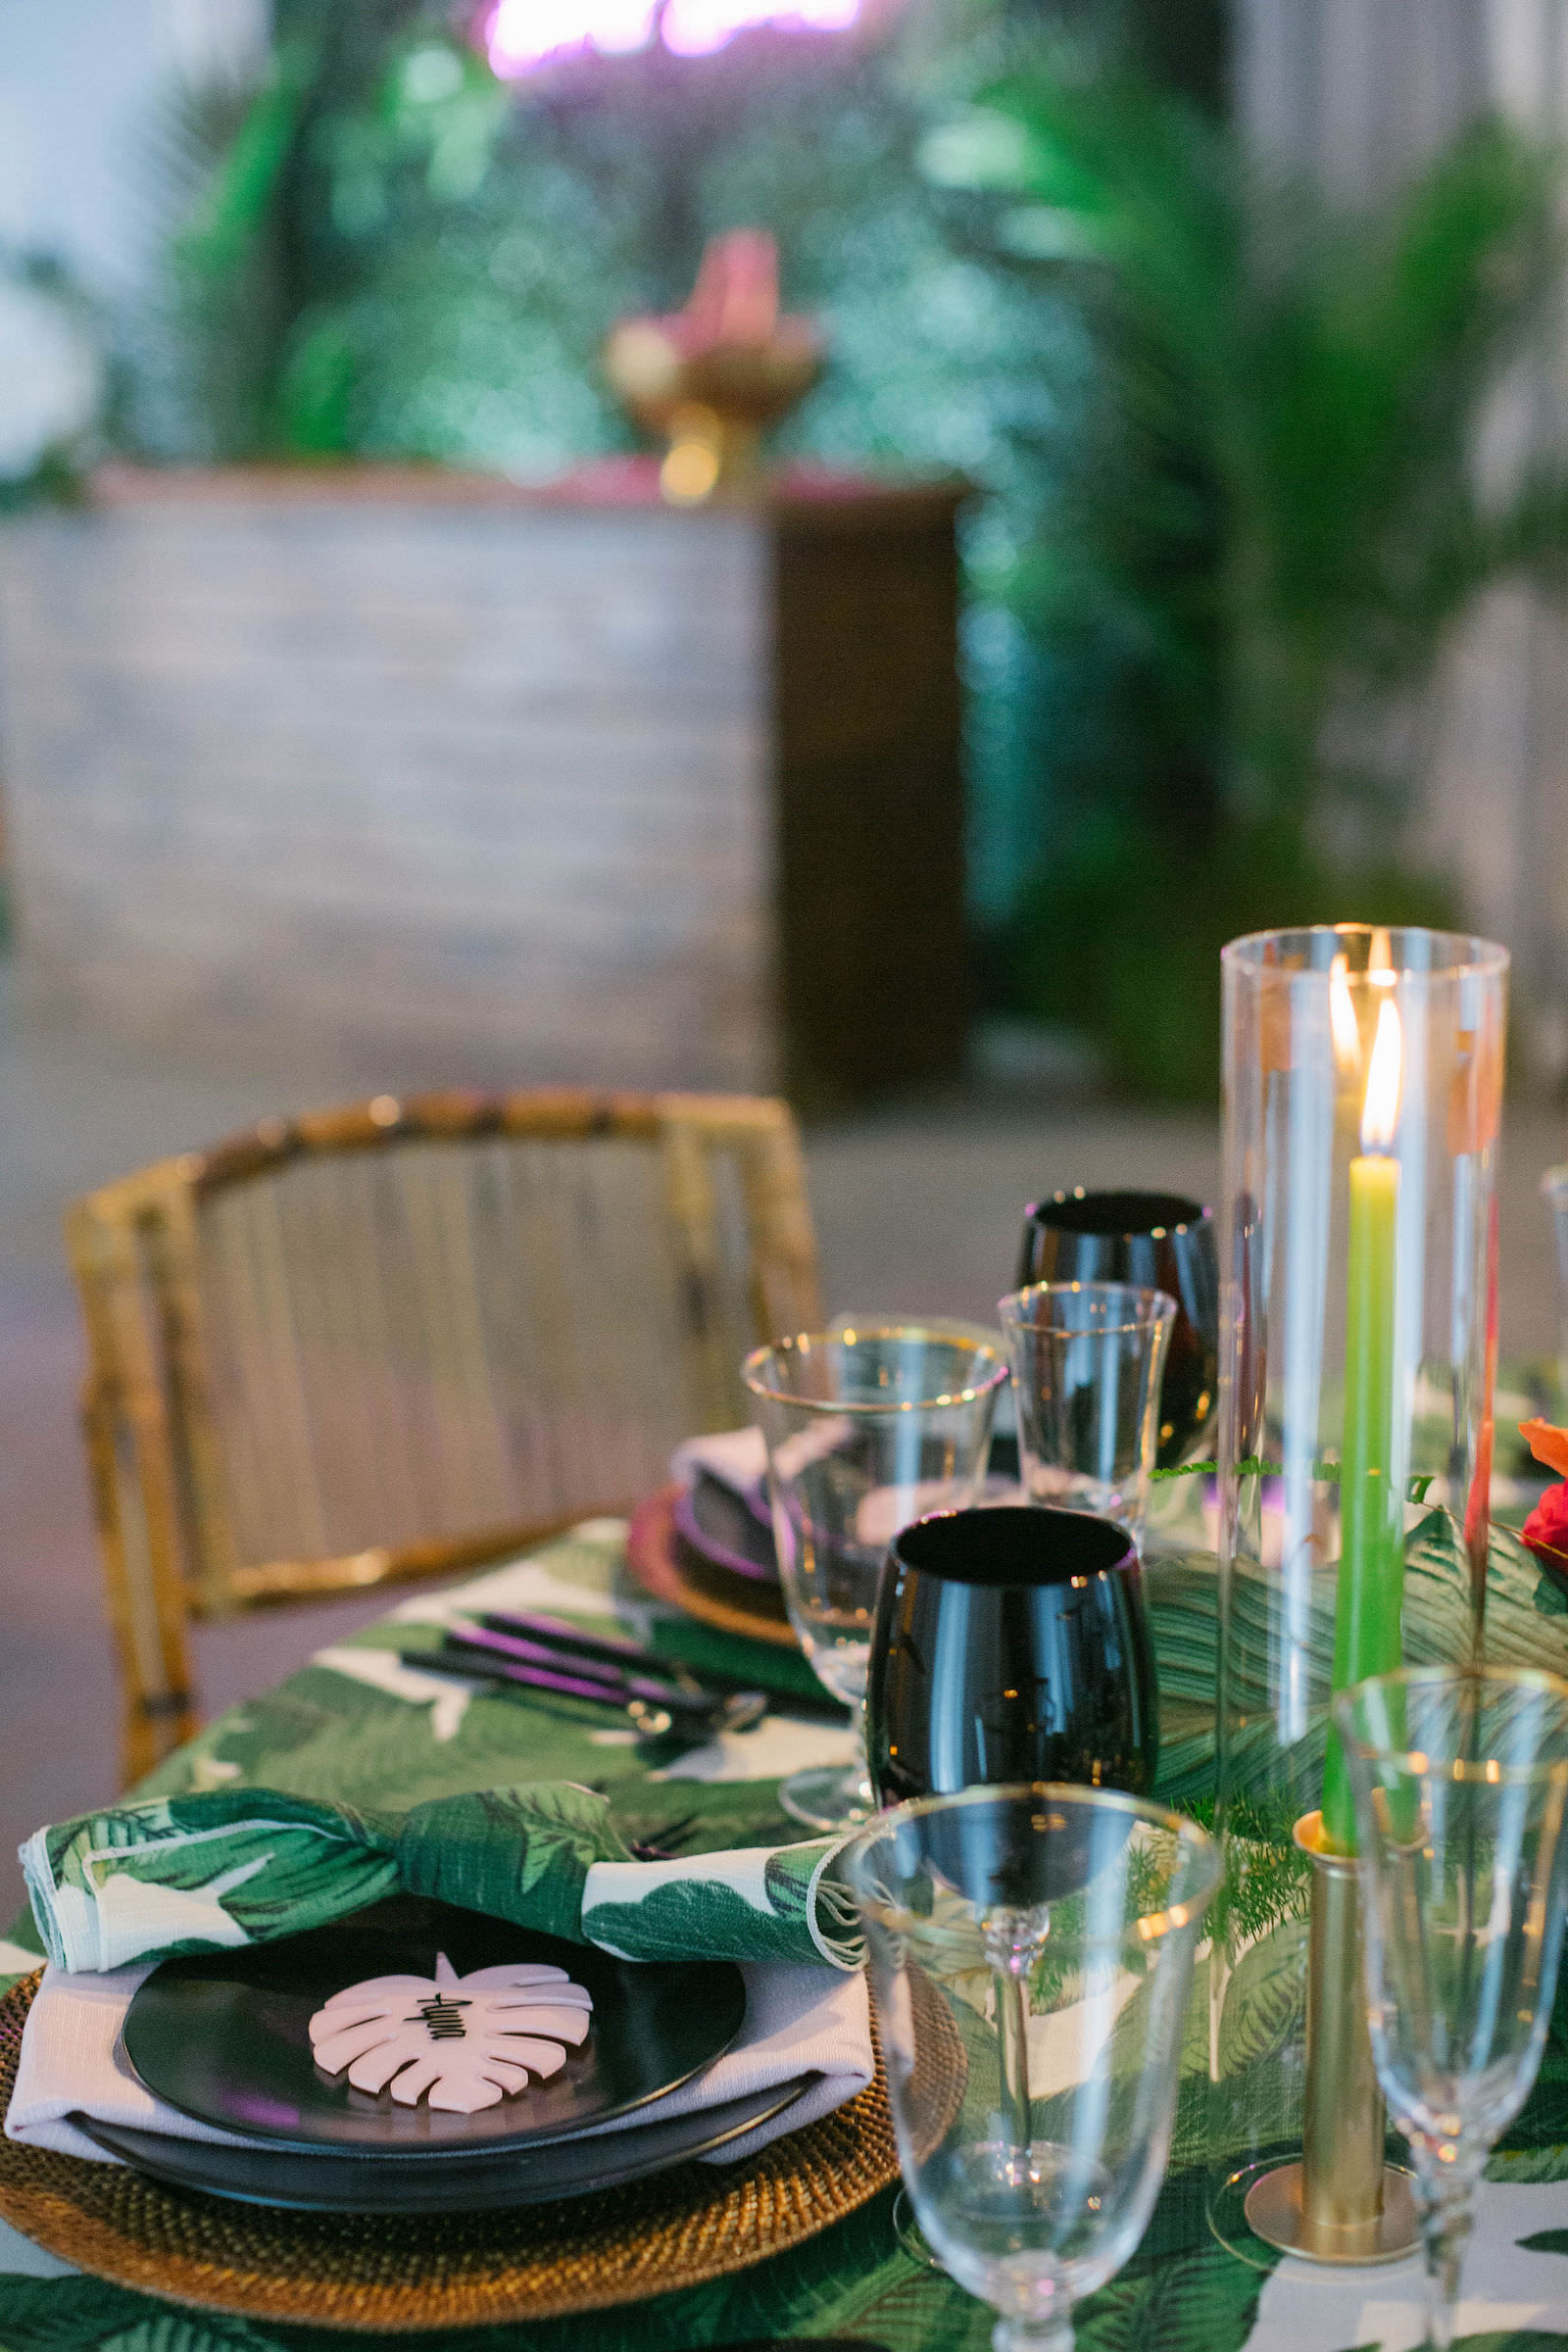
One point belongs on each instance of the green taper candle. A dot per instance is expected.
(1371, 1586)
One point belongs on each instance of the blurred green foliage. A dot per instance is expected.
(1227, 437)
(1267, 522)
(387, 251)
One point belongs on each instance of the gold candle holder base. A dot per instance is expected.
(1274, 2213)
(1341, 2203)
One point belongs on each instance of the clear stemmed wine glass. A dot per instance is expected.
(1031, 1958)
(865, 1431)
(1008, 1645)
(1160, 1242)
(1087, 1359)
(1460, 1778)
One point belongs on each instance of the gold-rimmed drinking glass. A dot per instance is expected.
(1031, 1960)
(1460, 1780)
(865, 1431)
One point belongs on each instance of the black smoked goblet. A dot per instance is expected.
(1010, 1646)
(1158, 1242)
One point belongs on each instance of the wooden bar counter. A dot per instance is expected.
(430, 775)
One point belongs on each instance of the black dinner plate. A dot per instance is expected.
(722, 1528)
(529, 2176)
(224, 2036)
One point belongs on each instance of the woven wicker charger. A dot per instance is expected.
(537, 2261)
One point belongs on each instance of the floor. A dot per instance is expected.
(917, 1209)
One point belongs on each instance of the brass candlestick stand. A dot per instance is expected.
(1341, 2203)
(1363, 1084)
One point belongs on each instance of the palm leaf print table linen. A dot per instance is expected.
(356, 1733)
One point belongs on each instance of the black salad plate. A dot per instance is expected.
(722, 1528)
(528, 2176)
(224, 2037)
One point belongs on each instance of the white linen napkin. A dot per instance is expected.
(798, 2020)
(736, 1457)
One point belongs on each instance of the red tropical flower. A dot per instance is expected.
(1545, 1532)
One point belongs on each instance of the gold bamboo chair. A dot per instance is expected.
(400, 1337)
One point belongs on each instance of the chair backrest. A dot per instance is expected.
(398, 1338)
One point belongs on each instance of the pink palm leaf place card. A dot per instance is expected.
(467, 2041)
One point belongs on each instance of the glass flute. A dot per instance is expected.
(1087, 1358)
(865, 1431)
(1155, 1242)
(1460, 1776)
(1031, 1960)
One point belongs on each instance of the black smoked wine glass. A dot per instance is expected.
(1159, 1242)
(1011, 1646)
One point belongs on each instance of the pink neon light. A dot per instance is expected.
(523, 33)
(697, 27)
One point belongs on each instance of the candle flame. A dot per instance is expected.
(1342, 1016)
(1381, 1108)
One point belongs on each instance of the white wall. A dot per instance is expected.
(79, 85)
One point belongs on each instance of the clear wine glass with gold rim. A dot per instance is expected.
(1460, 1780)
(1031, 1958)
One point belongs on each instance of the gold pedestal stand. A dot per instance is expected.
(711, 407)
(1341, 2203)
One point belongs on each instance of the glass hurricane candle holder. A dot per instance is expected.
(1363, 1083)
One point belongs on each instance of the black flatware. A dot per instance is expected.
(666, 1841)
(337, 2183)
(559, 1634)
(572, 1642)
(622, 1682)
(655, 1705)
(472, 1666)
